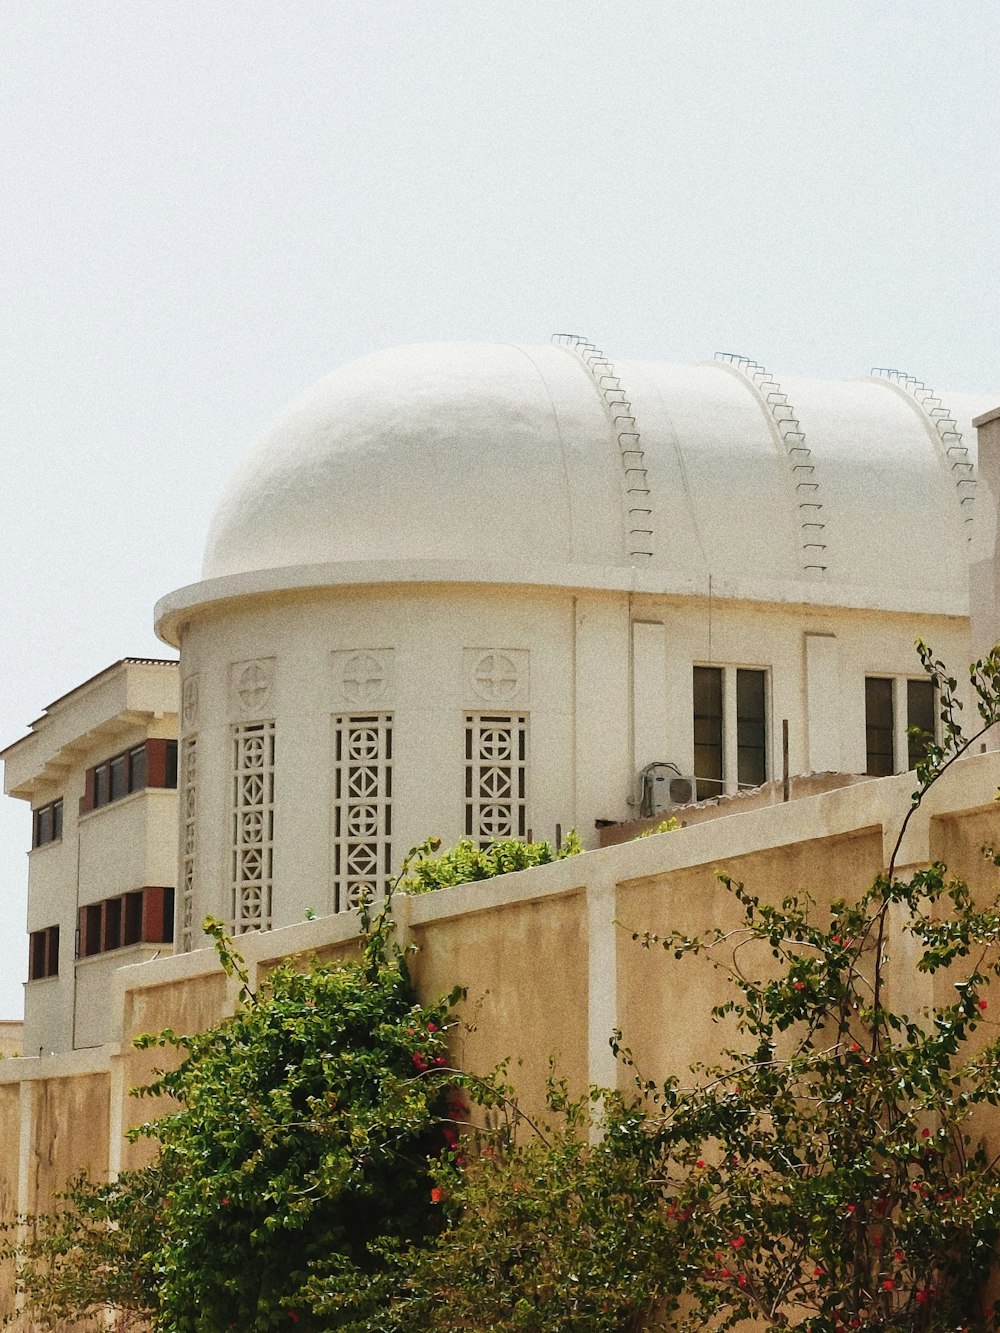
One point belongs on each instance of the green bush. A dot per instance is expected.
(467, 861)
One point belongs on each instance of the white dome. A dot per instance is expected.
(454, 451)
(505, 463)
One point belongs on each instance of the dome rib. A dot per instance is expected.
(638, 506)
(788, 429)
(943, 428)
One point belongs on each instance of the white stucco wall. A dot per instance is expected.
(590, 728)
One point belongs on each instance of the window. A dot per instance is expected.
(892, 706)
(137, 768)
(253, 826)
(47, 823)
(144, 916)
(362, 811)
(496, 777)
(920, 712)
(708, 756)
(43, 953)
(879, 727)
(730, 729)
(751, 728)
(152, 764)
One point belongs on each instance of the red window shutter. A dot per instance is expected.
(156, 763)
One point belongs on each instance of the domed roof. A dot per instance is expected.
(454, 451)
(501, 462)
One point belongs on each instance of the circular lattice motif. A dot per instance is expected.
(495, 678)
(253, 686)
(363, 743)
(494, 745)
(253, 752)
(362, 821)
(252, 826)
(364, 679)
(495, 821)
(189, 709)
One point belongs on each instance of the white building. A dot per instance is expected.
(480, 589)
(100, 770)
(491, 591)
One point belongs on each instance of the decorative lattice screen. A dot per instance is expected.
(189, 799)
(253, 825)
(496, 776)
(362, 831)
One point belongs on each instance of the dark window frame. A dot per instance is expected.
(152, 763)
(47, 823)
(43, 953)
(751, 727)
(880, 726)
(709, 731)
(921, 698)
(141, 916)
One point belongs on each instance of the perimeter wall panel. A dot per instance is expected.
(664, 1004)
(525, 968)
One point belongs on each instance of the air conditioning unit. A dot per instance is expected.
(664, 787)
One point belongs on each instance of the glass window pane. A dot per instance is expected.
(43, 825)
(100, 785)
(919, 713)
(751, 729)
(119, 783)
(36, 959)
(708, 731)
(133, 918)
(878, 727)
(137, 768)
(112, 936)
(52, 951)
(57, 819)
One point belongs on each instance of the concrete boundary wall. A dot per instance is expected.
(546, 955)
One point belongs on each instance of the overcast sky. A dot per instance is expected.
(207, 204)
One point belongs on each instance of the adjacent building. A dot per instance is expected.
(100, 770)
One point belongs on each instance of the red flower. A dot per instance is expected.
(888, 1285)
(741, 1281)
(726, 1273)
(818, 1272)
(921, 1297)
(432, 1027)
(984, 1004)
(925, 1133)
(738, 1242)
(700, 1163)
(800, 985)
(899, 1256)
(224, 1200)
(419, 1061)
(437, 1194)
